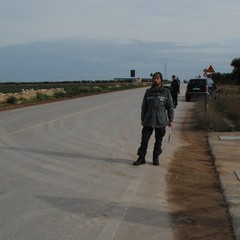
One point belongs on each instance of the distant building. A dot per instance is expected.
(127, 79)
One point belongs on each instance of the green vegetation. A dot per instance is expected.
(67, 90)
(41, 97)
(229, 78)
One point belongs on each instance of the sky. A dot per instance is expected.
(61, 40)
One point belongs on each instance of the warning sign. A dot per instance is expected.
(210, 69)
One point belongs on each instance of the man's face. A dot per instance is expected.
(156, 80)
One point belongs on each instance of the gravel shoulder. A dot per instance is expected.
(198, 207)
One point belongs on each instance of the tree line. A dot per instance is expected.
(229, 78)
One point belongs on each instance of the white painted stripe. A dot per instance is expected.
(111, 228)
(229, 137)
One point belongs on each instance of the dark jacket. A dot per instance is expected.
(157, 107)
(175, 86)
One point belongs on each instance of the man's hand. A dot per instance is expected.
(170, 124)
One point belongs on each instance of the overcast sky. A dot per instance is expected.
(103, 39)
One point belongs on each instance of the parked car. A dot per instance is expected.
(198, 87)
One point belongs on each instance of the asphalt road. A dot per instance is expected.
(66, 171)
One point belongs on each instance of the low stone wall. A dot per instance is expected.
(30, 93)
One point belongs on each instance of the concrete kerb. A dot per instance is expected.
(226, 151)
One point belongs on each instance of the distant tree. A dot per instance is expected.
(217, 77)
(236, 69)
(222, 78)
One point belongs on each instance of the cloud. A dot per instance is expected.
(104, 60)
(90, 39)
(186, 21)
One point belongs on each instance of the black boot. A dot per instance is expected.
(140, 160)
(155, 160)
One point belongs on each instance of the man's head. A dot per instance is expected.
(157, 79)
(173, 77)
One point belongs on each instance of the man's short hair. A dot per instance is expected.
(158, 74)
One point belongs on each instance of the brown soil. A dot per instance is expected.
(196, 200)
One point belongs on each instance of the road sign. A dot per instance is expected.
(210, 69)
(132, 73)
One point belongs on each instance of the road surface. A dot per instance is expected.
(66, 171)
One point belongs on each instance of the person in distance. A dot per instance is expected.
(175, 90)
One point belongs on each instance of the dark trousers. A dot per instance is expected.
(175, 98)
(146, 134)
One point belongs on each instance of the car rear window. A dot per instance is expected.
(197, 82)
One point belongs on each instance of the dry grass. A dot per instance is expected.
(228, 106)
(229, 90)
(223, 113)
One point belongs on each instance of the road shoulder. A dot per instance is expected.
(226, 155)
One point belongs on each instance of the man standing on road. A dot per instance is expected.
(175, 88)
(157, 113)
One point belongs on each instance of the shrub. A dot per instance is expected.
(97, 89)
(11, 100)
(42, 97)
(72, 91)
(59, 94)
(84, 90)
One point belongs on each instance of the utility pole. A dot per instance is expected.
(165, 71)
